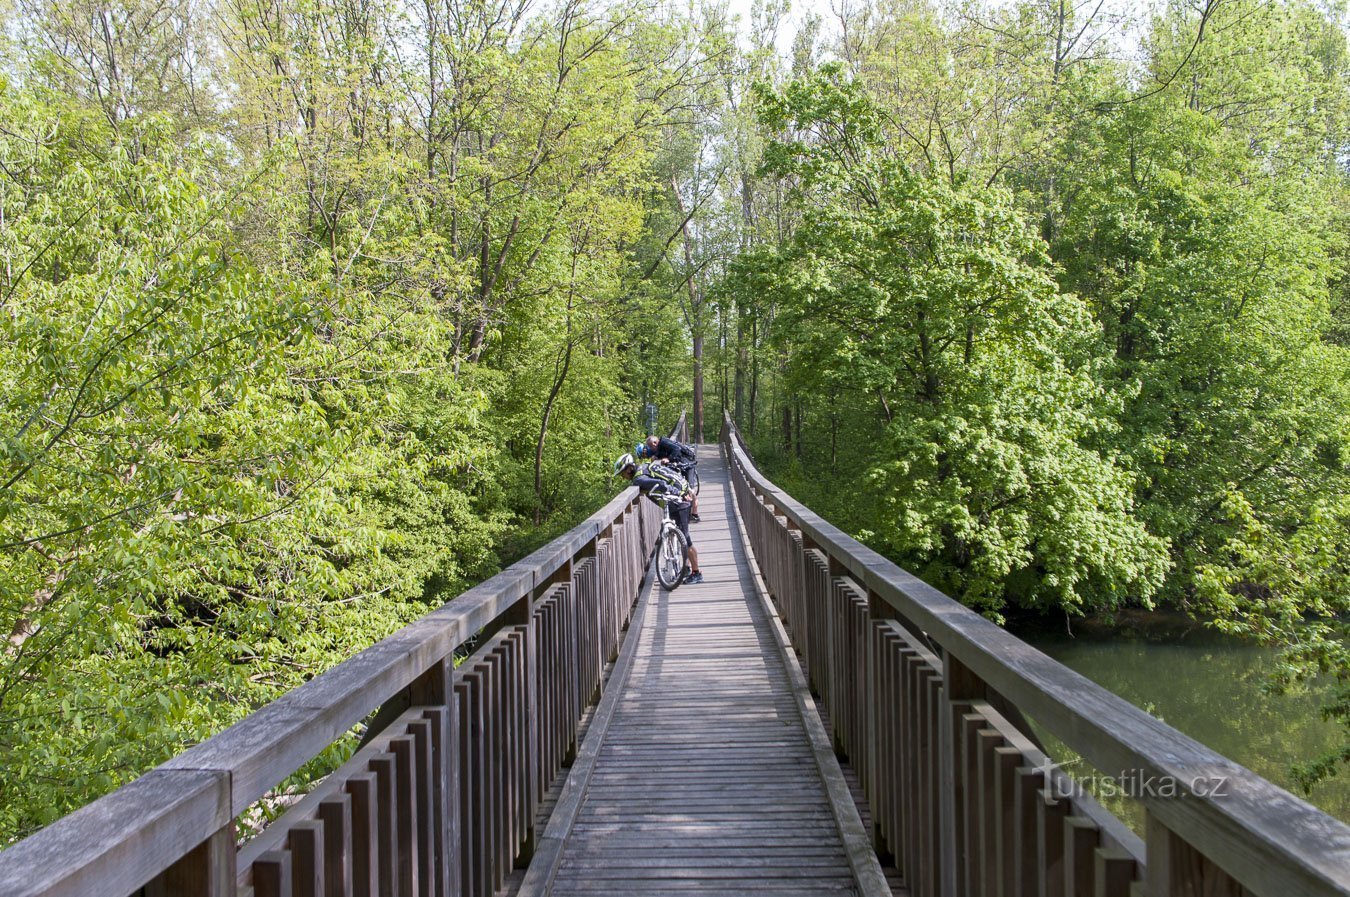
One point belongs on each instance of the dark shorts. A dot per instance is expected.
(679, 512)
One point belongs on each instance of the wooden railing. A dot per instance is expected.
(441, 797)
(929, 702)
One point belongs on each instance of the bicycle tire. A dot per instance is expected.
(672, 557)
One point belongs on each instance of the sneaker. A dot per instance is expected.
(694, 518)
(693, 579)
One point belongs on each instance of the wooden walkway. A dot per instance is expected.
(700, 775)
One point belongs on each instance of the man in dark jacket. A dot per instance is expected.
(664, 450)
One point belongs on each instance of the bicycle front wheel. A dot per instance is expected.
(672, 553)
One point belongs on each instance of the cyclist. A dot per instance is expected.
(664, 486)
(664, 450)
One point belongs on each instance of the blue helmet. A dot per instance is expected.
(641, 450)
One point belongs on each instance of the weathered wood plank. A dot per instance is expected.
(117, 844)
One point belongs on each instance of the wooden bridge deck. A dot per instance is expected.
(700, 775)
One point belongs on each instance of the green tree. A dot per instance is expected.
(932, 300)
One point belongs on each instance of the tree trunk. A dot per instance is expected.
(695, 313)
(560, 369)
(754, 373)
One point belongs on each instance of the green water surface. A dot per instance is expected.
(1208, 686)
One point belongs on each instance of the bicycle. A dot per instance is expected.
(672, 551)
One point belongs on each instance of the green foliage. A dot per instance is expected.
(1182, 385)
(933, 299)
(312, 318)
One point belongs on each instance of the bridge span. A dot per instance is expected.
(810, 720)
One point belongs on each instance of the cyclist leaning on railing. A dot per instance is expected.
(664, 450)
(665, 487)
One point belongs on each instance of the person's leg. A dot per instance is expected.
(681, 518)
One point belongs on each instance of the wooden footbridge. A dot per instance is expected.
(810, 720)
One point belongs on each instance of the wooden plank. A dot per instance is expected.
(119, 842)
(305, 845)
(1080, 846)
(272, 874)
(405, 816)
(208, 870)
(363, 790)
(424, 795)
(335, 814)
(1114, 873)
(387, 833)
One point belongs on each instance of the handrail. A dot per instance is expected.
(1268, 841)
(547, 624)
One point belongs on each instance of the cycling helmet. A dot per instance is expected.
(623, 464)
(641, 450)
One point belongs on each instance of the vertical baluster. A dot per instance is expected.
(388, 834)
(405, 802)
(1114, 873)
(1026, 793)
(1007, 759)
(335, 814)
(304, 842)
(362, 789)
(931, 860)
(515, 754)
(477, 783)
(896, 710)
(272, 874)
(1081, 839)
(492, 770)
(1176, 869)
(883, 705)
(1052, 811)
(420, 732)
(464, 807)
(443, 803)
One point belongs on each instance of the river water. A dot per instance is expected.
(1205, 684)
